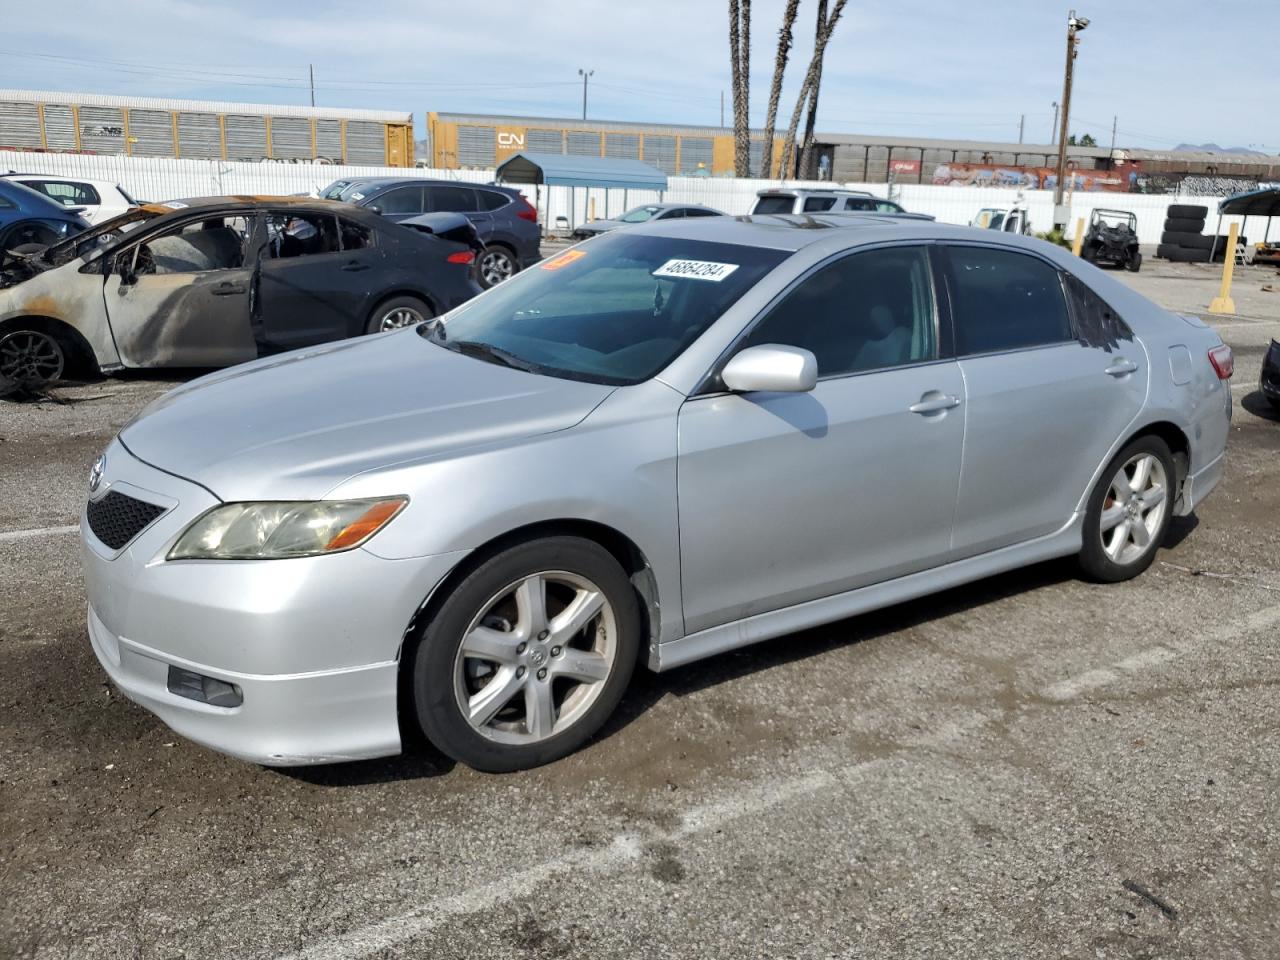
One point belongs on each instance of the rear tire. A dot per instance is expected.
(1128, 512)
(397, 312)
(555, 685)
(496, 264)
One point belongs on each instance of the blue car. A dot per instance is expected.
(28, 217)
(506, 221)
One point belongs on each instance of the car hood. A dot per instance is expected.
(598, 226)
(292, 427)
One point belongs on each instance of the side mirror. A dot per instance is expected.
(374, 208)
(771, 368)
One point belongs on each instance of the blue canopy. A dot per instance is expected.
(1255, 203)
(557, 169)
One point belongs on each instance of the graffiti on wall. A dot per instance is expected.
(1024, 178)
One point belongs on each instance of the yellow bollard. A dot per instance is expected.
(592, 214)
(1078, 242)
(1223, 303)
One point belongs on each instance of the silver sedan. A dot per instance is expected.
(662, 444)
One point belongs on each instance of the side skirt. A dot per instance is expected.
(775, 623)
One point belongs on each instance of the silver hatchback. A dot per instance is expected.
(661, 444)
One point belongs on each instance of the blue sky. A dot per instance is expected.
(1173, 71)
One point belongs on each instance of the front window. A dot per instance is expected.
(640, 214)
(617, 310)
(213, 243)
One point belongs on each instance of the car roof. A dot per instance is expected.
(378, 183)
(806, 191)
(248, 203)
(794, 231)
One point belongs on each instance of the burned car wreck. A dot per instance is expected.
(218, 281)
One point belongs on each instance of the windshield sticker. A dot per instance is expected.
(174, 205)
(696, 270)
(563, 260)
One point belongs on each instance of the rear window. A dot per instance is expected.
(774, 204)
(451, 199)
(615, 311)
(492, 199)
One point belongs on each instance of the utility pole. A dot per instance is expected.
(1074, 25)
(1111, 154)
(722, 109)
(311, 68)
(1022, 124)
(585, 75)
(1053, 131)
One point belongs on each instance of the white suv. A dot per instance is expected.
(802, 200)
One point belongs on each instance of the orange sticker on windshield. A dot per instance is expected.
(563, 260)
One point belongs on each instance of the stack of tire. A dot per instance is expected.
(1184, 239)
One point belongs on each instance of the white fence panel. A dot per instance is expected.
(159, 178)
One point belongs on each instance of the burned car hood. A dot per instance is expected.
(16, 268)
(294, 426)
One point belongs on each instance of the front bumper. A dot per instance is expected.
(312, 643)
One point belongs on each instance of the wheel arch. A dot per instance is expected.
(620, 546)
(401, 291)
(1179, 445)
(79, 352)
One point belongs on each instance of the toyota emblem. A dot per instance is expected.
(95, 473)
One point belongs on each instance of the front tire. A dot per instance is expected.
(30, 357)
(397, 312)
(527, 656)
(1135, 263)
(1129, 512)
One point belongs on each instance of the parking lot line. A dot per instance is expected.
(37, 532)
(1152, 656)
(706, 818)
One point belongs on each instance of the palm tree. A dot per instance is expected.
(740, 70)
(775, 89)
(809, 89)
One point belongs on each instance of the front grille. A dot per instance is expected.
(116, 519)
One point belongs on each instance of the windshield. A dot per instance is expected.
(640, 214)
(774, 204)
(616, 310)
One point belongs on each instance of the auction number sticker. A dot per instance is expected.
(696, 270)
(563, 260)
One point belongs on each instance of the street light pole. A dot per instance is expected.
(1053, 131)
(1074, 26)
(585, 75)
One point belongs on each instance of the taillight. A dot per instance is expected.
(1224, 362)
(462, 256)
(526, 210)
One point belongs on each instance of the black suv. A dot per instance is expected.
(506, 221)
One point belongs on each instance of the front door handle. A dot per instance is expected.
(355, 266)
(934, 402)
(227, 288)
(1120, 367)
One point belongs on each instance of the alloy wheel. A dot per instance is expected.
(29, 356)
(535, 658)
(495, 266)
(1133, 509)
(398, 317)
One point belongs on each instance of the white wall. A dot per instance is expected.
(159, 178)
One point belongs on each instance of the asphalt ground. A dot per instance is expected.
(1029, 766)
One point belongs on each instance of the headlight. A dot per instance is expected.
(273, 531)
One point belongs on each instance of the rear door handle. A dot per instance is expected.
(227, 288)
(355, 266)
(933, 402)
(1120, 367)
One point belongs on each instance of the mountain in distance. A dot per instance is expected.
(1214, 148)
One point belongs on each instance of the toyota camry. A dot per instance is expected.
(662, 444)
